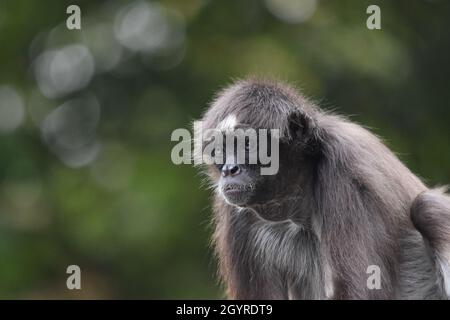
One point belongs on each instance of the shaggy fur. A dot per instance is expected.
(349, 207)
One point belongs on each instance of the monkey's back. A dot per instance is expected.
(372, 195)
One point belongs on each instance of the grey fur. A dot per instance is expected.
(348, 209)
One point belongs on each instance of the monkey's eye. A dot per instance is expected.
(217, 154)
(247, 144)
(250, 146)
(218, 150)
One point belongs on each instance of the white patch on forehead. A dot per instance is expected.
(228, 123)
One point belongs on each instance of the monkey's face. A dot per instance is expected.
(244, 185)
(236, 179)
(252, 172)
(272, 112)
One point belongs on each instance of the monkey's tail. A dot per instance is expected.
(430, 214)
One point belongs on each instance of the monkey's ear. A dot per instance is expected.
(299, 125)
(302, 129)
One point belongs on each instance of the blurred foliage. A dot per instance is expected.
(86, 117)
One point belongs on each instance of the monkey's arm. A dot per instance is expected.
(243, 268)
(430, 214)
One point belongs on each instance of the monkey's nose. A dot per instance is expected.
(230, 170)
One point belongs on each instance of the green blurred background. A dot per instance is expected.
(86, 117)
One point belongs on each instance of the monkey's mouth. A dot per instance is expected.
(237, 194)
(235, 187)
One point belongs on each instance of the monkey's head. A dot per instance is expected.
(257, 136)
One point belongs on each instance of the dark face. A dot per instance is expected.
(244, 184)
(261, 106)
